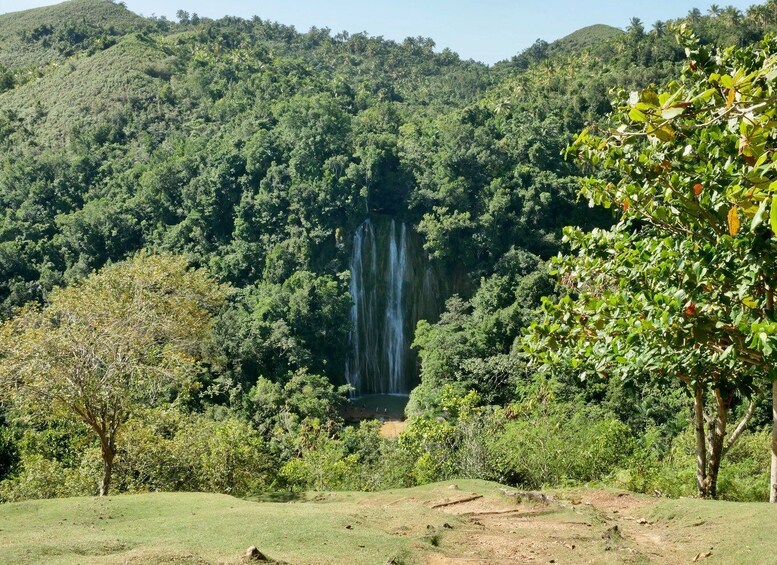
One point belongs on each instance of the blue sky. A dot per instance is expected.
(485, 30)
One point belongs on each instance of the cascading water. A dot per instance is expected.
(378, 360)
(361, 364)
(395, 318)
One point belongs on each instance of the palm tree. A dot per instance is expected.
(763, 14)
(759, 15)
(694, 15)
(732, 15)
(635, 27)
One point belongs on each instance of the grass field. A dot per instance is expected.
(444, 523)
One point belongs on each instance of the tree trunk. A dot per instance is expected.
(717, 437)
(701, 441)
(769, 314)
(773, 483)
(109, 452)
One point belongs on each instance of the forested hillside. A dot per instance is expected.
(255, 153)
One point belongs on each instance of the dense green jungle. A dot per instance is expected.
(229, 249)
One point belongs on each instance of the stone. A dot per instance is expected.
(253, 554)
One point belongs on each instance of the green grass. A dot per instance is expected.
(368, 528)
(196, 527)
(734, 532)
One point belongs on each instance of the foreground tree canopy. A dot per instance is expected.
(682, 287)
(133, 335)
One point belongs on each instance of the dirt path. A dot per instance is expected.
(596, 527)
(392, 428)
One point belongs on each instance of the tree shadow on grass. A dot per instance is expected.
(281, 496)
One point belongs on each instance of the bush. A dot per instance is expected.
(450, 440)
(559, 444)
(322, 462)
(46, 478)
(744, 474)
(355, 459)
(744, 471)
(58, 459)
(163, 450)
(167, 450)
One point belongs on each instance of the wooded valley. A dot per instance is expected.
(217, 236)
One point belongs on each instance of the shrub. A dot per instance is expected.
(57, 459)
(163, 450)
(171, 451)
(357, 458)
(559, 444)
(46, 478)
(744, 474)
(440, 442)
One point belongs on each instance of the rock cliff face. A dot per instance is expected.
(393, 286)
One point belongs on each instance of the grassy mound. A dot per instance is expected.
(439, 523)
(195, 527)
(586, 36)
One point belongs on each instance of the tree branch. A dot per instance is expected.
(741, 426)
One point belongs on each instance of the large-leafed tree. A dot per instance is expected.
(682, 288)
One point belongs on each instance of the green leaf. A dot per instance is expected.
(665, 133)
(759, 216)
(637, 116)
(650, 97)
(671, 113)
(773, 216)
(704, 96)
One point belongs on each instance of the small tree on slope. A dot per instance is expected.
(134, 333)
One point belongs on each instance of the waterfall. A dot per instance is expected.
(379, 344)
(360, 364)
(395, 319)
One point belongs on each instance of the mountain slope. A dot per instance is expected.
(86, 92)
(44, 35)
(587, 36)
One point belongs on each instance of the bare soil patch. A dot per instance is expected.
(590, 526)
(392, 428)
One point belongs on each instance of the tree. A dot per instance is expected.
(133, 334)
(636, 28)
(694, 15)
(659, 28)
(681, 288)
(732, 15)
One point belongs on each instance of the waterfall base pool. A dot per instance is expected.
(377, 406)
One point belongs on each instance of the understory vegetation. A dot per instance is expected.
(177, 204)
